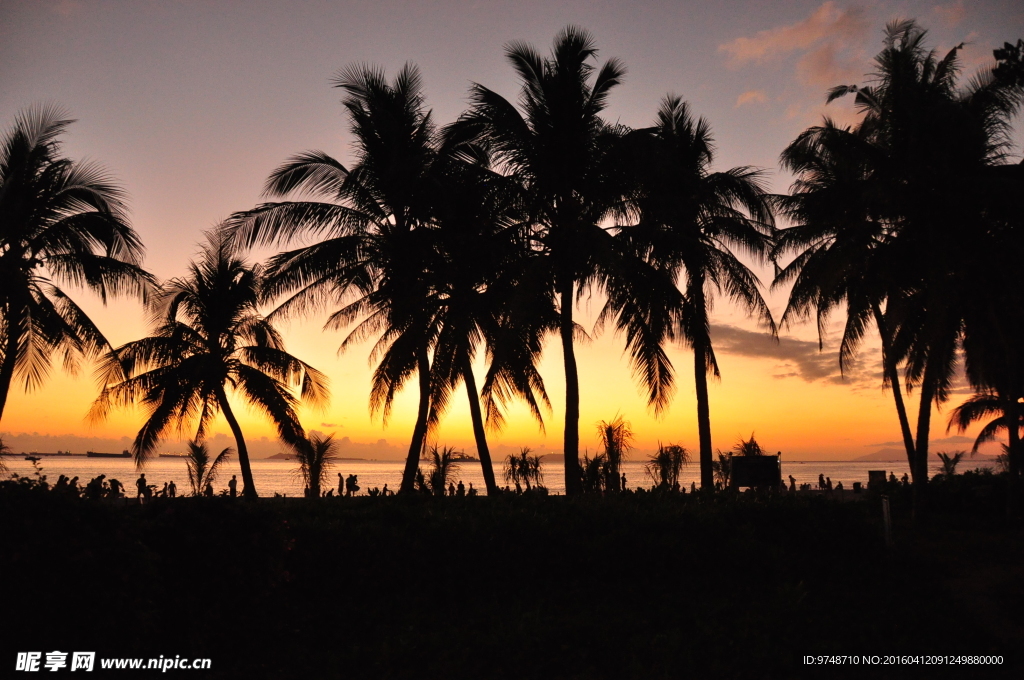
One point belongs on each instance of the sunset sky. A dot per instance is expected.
(190, 105)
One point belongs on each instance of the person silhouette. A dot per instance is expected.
(461, 489)
(623, 480)
(208, 491)
(792, 483)
(73, 485)
(472, 491)
(693, 487)
(451, 489)
(341, 485)
(892, 477)
(140, 484)
(906, 479)
(821, 482)
(163, 491)
(828, 483)
(233, 487)
(384, 491)
(172, 489)
(116, 488)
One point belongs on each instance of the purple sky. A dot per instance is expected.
(191, 104)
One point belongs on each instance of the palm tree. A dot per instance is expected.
(372, 259)
(748, 447)
(665, 465)
(209, 335)
(442, 469)
(201, 471)
(523, 469)
(61, 223)
(988, 404)
(4, 450)
(616, 440)
(316, 454)
(479, 287)
(722, 469)
(894, 213)
(950, 461)
(690, 220)
(560, 149)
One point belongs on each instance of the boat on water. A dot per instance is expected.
(95, 454)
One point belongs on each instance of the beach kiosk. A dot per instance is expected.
(756, 471)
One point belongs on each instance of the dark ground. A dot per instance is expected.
(636, 586)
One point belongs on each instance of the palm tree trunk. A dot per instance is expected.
(889, 366)
(248, 485)
(700, 376)
(7, 369)
(1012, 415)
(919, 469)
(571, 440)
(419, 432)
(478, 427)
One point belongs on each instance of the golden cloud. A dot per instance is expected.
(751, 97)
(827, 23)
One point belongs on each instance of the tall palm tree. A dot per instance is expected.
(201, 470)
(911, 194)
(690, 221)
(479, 286)
(316, 454)
(209, 336)
(61, 223)
(560, 149)
(371, 262)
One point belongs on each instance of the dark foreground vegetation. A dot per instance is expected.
(664, 585)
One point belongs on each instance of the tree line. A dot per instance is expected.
(442, 243)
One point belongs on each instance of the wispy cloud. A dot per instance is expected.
(751, 97)
(828, 23)
(795, 358)
(957, 439)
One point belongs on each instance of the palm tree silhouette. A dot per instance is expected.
(372, 259)
(560, 149)
(316, 454)
(616, 439)
(209, 335)
(479, 284)
(925, 147)
(690, 220)
(201, 470)
(61, 223)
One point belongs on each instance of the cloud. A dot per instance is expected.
(951, 14)
(751, 97)
(329, 425)
(827, 23)
(796, 358)
(824, 66)
(957, 439)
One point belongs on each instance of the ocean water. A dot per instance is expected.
(282, 477)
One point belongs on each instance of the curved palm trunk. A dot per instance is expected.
(919, 469)
(248, 485)
(889, 366)
(1012, 415)
(571, 440)
(419, 432)
(478, 427)
(7, 370)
